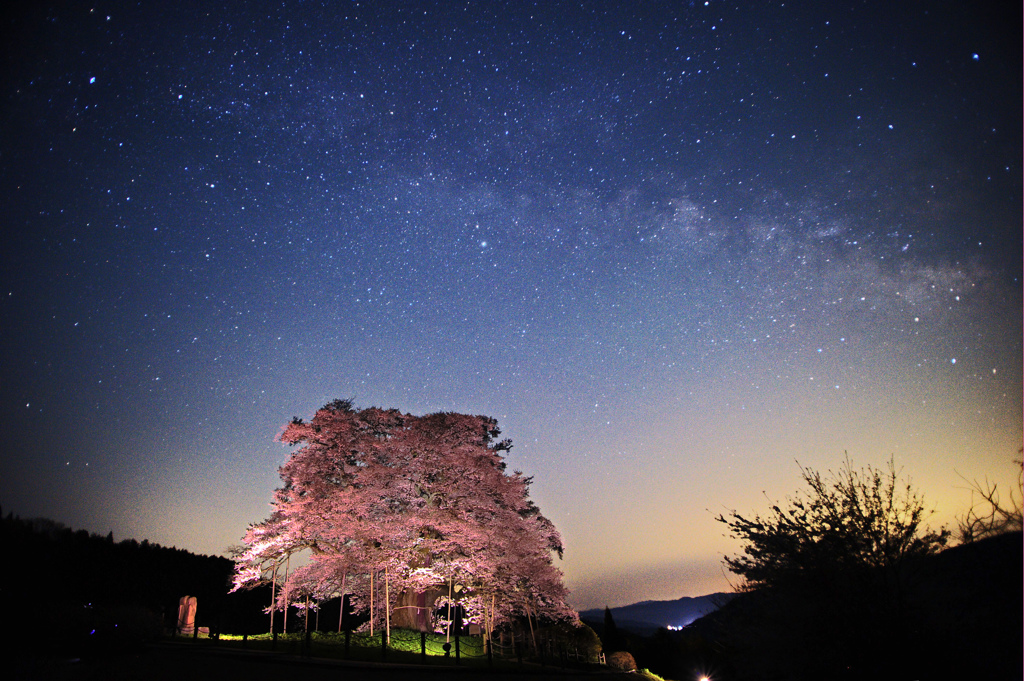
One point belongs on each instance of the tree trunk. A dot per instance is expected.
(529, 620)
(341, 610)
(273, 596)
(413, 609)
(448, 627)
(387, 603)
(287, 566)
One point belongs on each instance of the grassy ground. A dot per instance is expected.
(404, 647)
(174, 660)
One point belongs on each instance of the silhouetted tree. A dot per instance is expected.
(612, 639)
(830, 568)
(79, 593)
(610, 630)
(989, 514)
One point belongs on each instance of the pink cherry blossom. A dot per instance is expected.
(414, 505)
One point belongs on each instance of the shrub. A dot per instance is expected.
(622, 661)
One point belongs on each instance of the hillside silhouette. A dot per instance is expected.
(76, 593)
(646, 617)
(960, 616)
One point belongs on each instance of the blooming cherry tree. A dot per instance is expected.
(401, 511)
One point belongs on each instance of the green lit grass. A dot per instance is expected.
(404, 648)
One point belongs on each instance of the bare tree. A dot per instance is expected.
(989, 514)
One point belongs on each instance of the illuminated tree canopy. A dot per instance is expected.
(394, 507)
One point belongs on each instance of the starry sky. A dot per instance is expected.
(673, 247)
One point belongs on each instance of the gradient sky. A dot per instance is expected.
(673, 247)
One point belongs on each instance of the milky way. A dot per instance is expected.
(674, 248)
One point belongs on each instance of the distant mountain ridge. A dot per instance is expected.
(646, 617)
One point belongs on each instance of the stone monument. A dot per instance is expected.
(186, 615)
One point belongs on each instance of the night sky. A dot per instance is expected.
(674, 248)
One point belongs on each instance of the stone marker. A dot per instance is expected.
(187, 615)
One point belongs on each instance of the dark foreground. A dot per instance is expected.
(177, 661)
